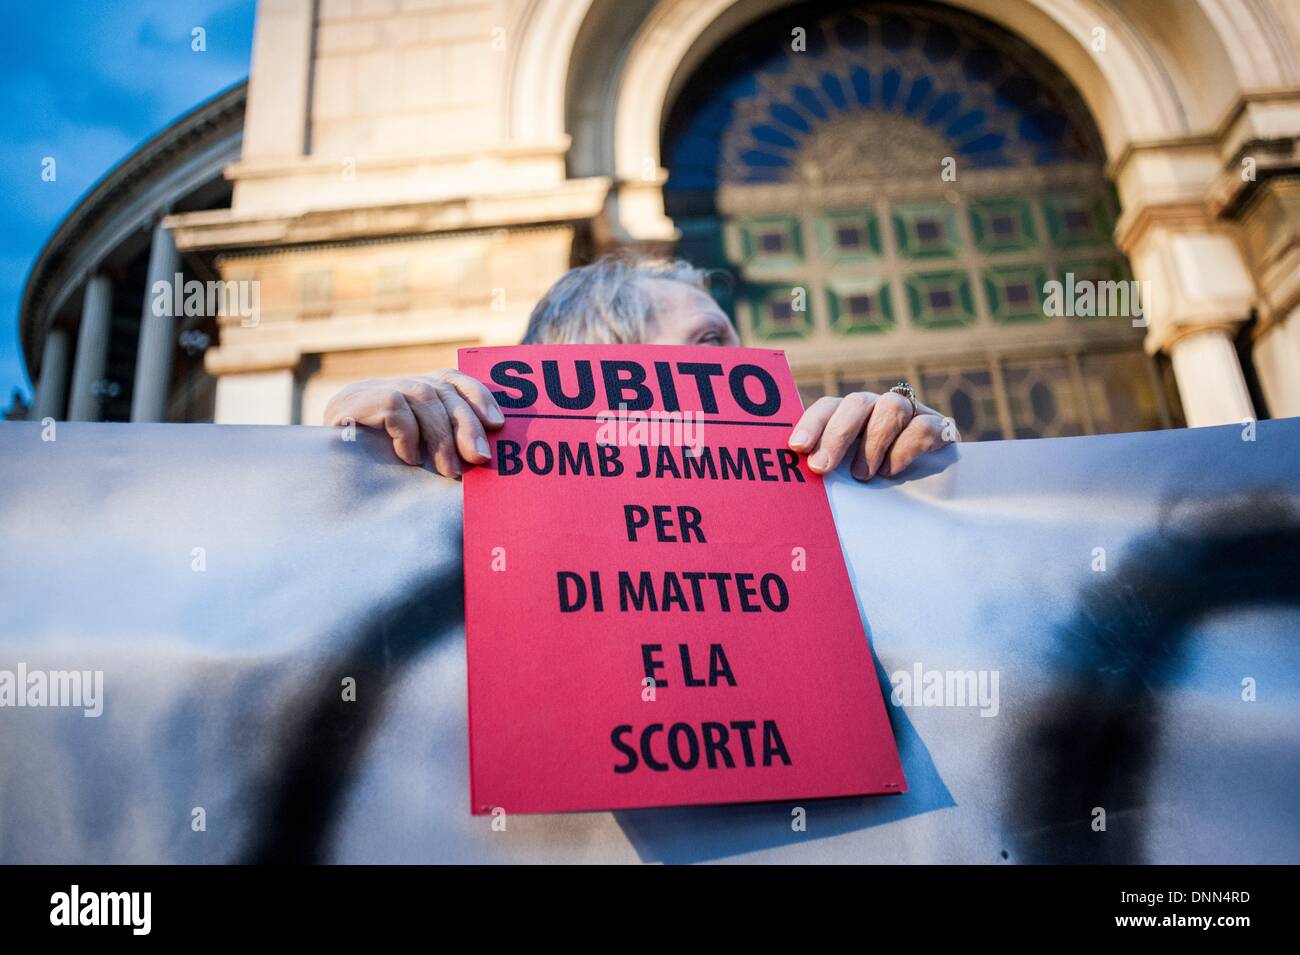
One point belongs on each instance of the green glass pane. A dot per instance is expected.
(848, 237)
(1093, 289)
(940, 300)
(1003, 225)
(1015, 294)
(864, 310)
(1077, 220)
(779, 311)
(772, 240)
(926, 231)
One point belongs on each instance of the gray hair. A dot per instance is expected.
(606, 302)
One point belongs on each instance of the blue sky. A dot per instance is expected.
(86, 81)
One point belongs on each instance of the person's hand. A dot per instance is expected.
(447, 410)
(892, 436)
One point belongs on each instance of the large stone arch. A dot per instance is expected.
(1169, 70)
(536, 77)
(1181, 94)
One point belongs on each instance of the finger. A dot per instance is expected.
(436, 428)
(923, 435)
(891, 414)
(471, 442)
(842, 430)
(341, 409)
(948, 429)
(333, 415)
(400, 424)
(478, 396)
(808, 429)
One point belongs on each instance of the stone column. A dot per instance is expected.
(1277, 362)
(257, 397)
(52, 391)
(1258, 188)
(153, 364)
(92, 350)
(278, 115)
(1271, 231)
(1210, 381)
(1197, 292)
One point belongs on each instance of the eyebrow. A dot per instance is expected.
(709, 322)
(714, 319)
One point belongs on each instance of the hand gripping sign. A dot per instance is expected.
(657, 608)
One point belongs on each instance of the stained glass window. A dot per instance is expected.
(895, 200)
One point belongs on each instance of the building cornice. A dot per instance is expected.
(307, 165)
(229, 232)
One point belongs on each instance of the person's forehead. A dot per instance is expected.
(674, 296)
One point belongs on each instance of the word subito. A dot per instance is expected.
(627, 388)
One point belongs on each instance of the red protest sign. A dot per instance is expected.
(657, 608)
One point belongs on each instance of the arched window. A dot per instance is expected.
(892, 189)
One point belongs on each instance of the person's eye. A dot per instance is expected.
(711, 338)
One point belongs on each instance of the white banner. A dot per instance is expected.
(224, 644)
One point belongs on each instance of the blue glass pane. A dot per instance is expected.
(756, 157)
(702, 181)
(760, 174)
(741, 87)
(834, 90)
(810, 102)
(712, 119)
(787, 116)
(771, 136)
(922, 87)
(965, 124)
(944, 105)
(989, 142)
(776, 62)
(861, 81)
(692, 150)
(889, 84)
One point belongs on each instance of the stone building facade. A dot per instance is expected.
(885, 190)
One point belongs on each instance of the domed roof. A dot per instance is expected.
(165, 171)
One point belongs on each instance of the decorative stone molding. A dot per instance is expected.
(226, 229)
(1196, 274)
(227, 359)
(1258, 141)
